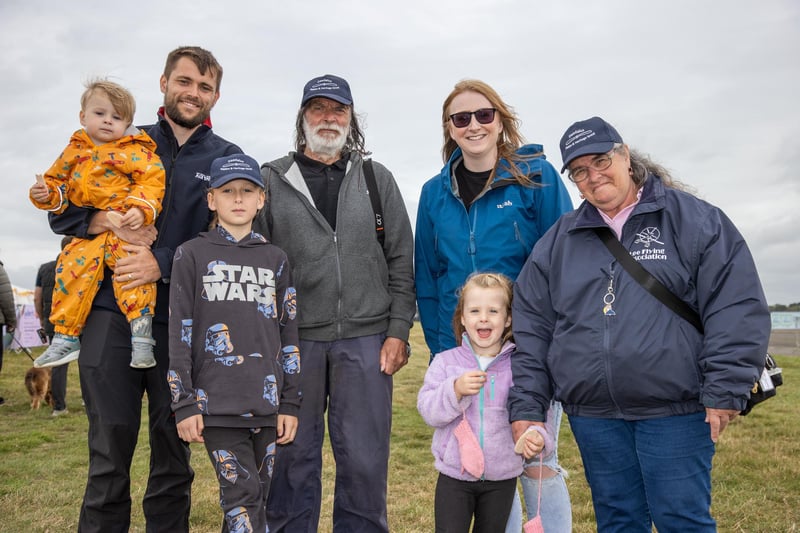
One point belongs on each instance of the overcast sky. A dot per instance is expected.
(708, 88)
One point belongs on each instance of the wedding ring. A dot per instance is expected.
(130, 277)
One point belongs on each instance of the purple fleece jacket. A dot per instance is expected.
(486, 413)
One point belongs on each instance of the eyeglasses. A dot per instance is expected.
(601, 162)
(463, 119)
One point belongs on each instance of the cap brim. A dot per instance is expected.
(596, 148)
(338, 98)
(227, 178)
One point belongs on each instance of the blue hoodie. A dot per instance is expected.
(496, 235)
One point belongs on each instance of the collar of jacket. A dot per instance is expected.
(532, 155)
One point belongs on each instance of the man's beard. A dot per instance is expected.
(172, 111)
(324, 145)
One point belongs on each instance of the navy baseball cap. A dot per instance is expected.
(234, 167)
(328, 86)
(590, 136)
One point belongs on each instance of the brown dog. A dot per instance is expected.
(37, 381)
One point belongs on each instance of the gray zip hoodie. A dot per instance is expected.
(349, 286)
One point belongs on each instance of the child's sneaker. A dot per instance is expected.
(142, 342)
(142, 353)
(62, 350)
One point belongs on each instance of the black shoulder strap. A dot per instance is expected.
(646, 280)
(375, 198)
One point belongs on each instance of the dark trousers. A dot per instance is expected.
(456, 502)
(243, 460)
(58, 387)
(112, 392)
(343, 376)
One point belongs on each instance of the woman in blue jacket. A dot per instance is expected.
(647, 394)
(484, 211)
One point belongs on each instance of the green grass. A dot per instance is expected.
(756, 478)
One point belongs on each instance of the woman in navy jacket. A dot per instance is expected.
(484, 211)
(646, 393)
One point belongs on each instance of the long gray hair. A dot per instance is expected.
(642, 166)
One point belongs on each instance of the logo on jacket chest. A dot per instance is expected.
(648, 238)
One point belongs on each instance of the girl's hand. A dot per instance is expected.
(530, 444)
(469, 383)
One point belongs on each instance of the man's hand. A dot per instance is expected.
(191, 429)
(393, 355)
(287, 429)
(719, 419)
(138, 268)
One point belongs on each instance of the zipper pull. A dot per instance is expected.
(608, 299)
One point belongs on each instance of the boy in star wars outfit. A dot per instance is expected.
(233, 344)
(112, 166)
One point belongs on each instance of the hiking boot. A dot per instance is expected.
(62, 350)
(142, 342)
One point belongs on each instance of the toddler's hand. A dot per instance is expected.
(39, 190)
(469, 383)
(133, 219)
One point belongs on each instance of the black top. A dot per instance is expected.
(323, 182)
(470, 184)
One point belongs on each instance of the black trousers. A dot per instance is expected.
(113, 392)
(243, 460)
(456, 502)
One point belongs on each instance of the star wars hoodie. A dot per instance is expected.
(233, 345)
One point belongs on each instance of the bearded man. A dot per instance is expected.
(112, 390)
(355, 306)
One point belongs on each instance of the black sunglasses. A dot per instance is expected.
(463, 119)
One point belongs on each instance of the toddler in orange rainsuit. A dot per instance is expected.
(108, 165)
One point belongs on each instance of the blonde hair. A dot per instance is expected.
(120, 97)
(509, 140)
(484, 280)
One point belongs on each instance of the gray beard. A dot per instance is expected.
(321, 145)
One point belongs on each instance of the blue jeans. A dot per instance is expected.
(645, 472)
(556, 508)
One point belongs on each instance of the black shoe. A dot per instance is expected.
(2, 400)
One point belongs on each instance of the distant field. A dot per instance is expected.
(785, 341)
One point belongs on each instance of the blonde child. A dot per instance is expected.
(464, 399)
(108, 165)
(234, 363)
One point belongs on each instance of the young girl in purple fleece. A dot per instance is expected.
(464, 399)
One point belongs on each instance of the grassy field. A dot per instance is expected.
(43, 468)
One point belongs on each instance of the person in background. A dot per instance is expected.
(464, 399)
(112, 390)
(647, 394)
(245, 369)
(108, 165)
(42, 302)
(357, 294)
(8, 312)
(493, 199)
